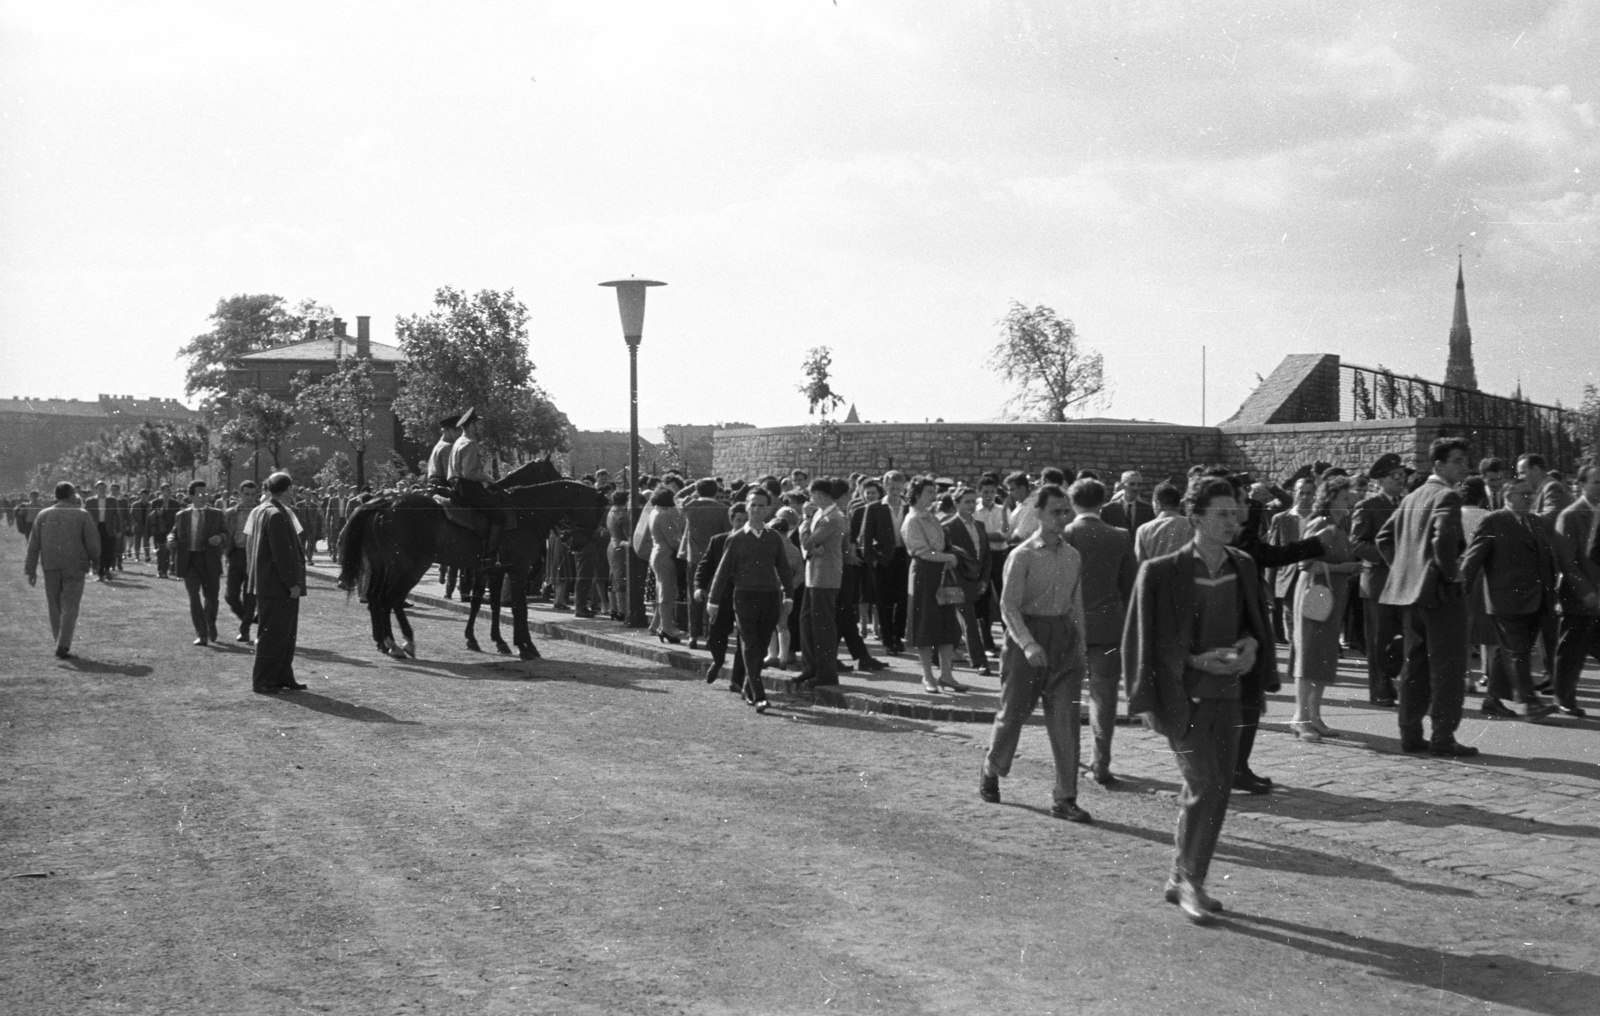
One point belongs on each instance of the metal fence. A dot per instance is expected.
(1495, 425)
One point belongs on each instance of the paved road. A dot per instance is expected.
(598, 833)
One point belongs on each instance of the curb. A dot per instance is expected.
(831, 698)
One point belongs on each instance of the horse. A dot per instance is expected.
(397, 539)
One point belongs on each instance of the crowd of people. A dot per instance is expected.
(1061, 582)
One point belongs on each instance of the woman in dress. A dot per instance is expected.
(1316, 657)
(929, 625)
(666, 532)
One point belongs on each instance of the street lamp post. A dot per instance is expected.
(630, 302)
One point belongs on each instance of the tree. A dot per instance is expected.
(1583, 423)
(189, 448)
(472, 352)
(243, 324)
(335, 471)
(343, 403)
(817, 366)
(1039, 353)
(258, 420)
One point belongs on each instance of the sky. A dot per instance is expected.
(882, 178)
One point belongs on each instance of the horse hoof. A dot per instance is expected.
(502, 647)
(472, 644)
(528, 653)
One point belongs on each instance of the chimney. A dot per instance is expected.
(364, 336)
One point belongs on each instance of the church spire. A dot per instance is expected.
(1459, 370)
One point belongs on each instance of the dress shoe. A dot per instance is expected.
(1545, 686)
(1102, 775)
(1192, 901)
(293, 686)
(63, 653)
(1387, 703)
(1495, 708)
(590, 613)
(1574, 711)
(1536, 712)
(1452, 749)
(243, 636)
(1414, 746)
(1250, 783)
(200, 641)
(266, 691)
(1069, 811)
(988, 785)
(986, 671)
(1208, 903)
(713, 671)
(761, 706)
(871, 663)
(844, 668)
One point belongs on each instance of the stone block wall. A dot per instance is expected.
(1277, 450)
(964, 450)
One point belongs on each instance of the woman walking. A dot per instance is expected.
(930, 625)
(1322, 593)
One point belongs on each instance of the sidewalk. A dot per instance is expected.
(1525, 813)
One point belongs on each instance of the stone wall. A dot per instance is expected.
(963, 450)
(1277, 450)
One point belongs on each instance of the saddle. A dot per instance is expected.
(469, 519)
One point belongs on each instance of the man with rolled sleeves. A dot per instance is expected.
(277, 579)
(1384, 644)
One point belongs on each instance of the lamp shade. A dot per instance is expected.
(630, 303)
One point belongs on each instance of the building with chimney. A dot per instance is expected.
(1458, 371)
(273, 371)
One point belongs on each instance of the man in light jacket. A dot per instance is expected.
(64, 541)
(822, 539)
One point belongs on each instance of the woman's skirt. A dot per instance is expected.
(928, 623)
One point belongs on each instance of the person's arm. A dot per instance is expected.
(30, 565)
(1014, 580)
(788, 581)
(919, 544)
(1445, 527)
(1267, 556)
(722, 581)
(1364, 535)
(705, 569)
(286, 557)
(1480, 551)
(1385, 540)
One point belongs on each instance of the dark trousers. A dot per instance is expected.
(1580, 637)
(1510, 664)
(893, 574)
(1207, 758)
(845, 617)
(108, 551)
(1549, 638)
(593, 572)
(275, 641)
(988, 606)
(242, 604)
(163, 556)
(717, 638)
(757, 614)
(819, 635)
(202, 600)
(1433, 683)
(1058, 684)
(1385, 648)
(974, 634)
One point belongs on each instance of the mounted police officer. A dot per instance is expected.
(470, 483)
(438, 474)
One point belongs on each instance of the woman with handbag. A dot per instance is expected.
(933, 620)
(666, 532)
(1321, 595)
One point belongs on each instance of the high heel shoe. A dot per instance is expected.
(931, 688)
(1324, 729)
(954, 685)
(1305, 730)
(672, 639)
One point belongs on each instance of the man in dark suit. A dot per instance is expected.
(1422, 545)
(105, 511)
(1108, 571)
(1578, 545)
(1128, 510)
(1384, 644)
(277, 580)
(1514, 549)
(241, 603)
(882, 543)
(163, 516)
(139, 523)
(719, 632)
(969, 539)
(198, 542)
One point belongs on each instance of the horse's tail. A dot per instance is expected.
(350, 546)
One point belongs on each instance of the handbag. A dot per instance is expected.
(1316, 600)
(949, 594)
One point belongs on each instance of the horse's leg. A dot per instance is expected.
(519, 616)
(409, 646)
(475, 595)
(379, 613)
(493, 579)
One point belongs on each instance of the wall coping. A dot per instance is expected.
(1117, 427)
(1294, 428)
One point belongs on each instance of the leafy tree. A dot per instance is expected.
(258, 420)
(818, 365)
(1039, 354)
(1583, 423)
(336, 471)
(472, 351)
(343, 403)
(243, 324)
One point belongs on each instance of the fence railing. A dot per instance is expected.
(1496, 425)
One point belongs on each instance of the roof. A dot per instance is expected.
(106, 408)
(320, 351)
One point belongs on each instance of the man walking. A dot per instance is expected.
(1578, 543)
(102, 507)
(1422, 545)
(199, 538)
(1515, 551)
(277, 579)
(1044, 657)
(1108, 572)
(1197, 629)
(64, 541)
(1384, 643)
(162, 517)
(242, 604)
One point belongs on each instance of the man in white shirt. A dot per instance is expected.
(997, 525)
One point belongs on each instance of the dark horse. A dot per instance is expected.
(397, 539)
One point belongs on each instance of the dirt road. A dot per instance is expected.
(595, 834)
